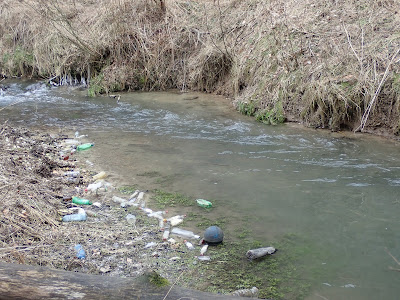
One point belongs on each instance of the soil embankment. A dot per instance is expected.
(327, 64)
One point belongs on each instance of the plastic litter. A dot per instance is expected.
(165, 234)
(71, 142)
(81, 201)
(203, 258)
(150, 245)
(148, 211)
(204, 203)
(189, 245)
(93, 187)
(80, 216)
(157, 214)
(72, 173)
(84, 146)
(100, 175)
(80, 252)
(119, 199)
(260, 252)
(184, 233)
(134, 195)
(176, 220)
(203, 249)
(140, 196)
(131, 219)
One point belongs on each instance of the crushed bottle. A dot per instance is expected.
(80, 252)
(80, 216)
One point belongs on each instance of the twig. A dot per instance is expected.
(394, 258)
(351, 45)
(318, 295)
(377, 92)
(11, 104)
(176, 281)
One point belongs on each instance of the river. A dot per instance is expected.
(340, 191)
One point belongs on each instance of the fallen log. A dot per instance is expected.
(33, 282)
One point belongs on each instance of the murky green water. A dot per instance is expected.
(338, 191)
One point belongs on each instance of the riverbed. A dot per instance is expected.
(336, 192)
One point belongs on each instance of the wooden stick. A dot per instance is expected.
(394, 258)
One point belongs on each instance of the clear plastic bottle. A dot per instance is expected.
(184, 233)
(74, 217)
(80, 252)
(80, 216)
(165, 233)
(131, 219)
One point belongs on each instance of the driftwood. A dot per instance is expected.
(32, 282)
(260, 252)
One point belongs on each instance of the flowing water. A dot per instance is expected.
(338, 191)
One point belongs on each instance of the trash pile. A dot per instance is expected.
(57, 213)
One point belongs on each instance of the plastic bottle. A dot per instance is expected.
(131, 219)
(93, 187)
(189, 245)
(134, 195)
(81, 201)
(84, 146)
(80, 216)
(119, 199)
(203, 258)
(72, 173)
(166, 233)
(184, 233)
(203, 249)
(204, 203)
(148, 211)
(80, 252)
(157, 214)
(176, 220)
(161, 224)
(140, 196)
(100, 175)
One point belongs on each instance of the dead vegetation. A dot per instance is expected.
(330, 64)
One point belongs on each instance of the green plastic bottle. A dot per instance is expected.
(204, 203)
(81, 201)
(84, 146)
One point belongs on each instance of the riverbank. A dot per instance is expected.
(324, 64)
(37, 185)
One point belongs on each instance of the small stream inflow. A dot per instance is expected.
(339, 191)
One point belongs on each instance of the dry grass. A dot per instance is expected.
(330, 63)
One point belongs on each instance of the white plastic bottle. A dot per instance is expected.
(176, 220)
(203, 249)
(189, 245)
